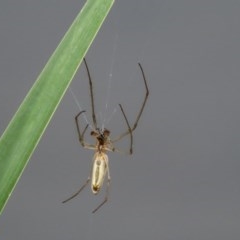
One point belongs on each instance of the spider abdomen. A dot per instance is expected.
(99, 169)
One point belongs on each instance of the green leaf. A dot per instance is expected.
(31, 119)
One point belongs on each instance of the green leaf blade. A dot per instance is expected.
(28, 124)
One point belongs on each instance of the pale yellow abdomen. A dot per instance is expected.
(99, 169)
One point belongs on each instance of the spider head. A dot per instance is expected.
(101, 135)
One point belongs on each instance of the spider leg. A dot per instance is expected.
(129, 129)
(107, 191)
(113, 149)
(75, 194)
(91, 93)
(140, 111)
(81, 135)
(145, 99)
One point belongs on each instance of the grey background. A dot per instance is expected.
(182, 181)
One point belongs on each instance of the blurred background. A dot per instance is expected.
(182, 181)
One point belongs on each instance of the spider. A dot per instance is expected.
(104, 143)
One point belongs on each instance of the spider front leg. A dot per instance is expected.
(129, 129)
(81, 135)
(111, 146)
(139, 113)
(91, 94)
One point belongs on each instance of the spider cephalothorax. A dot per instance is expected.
(102, 137)
(103, 143)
